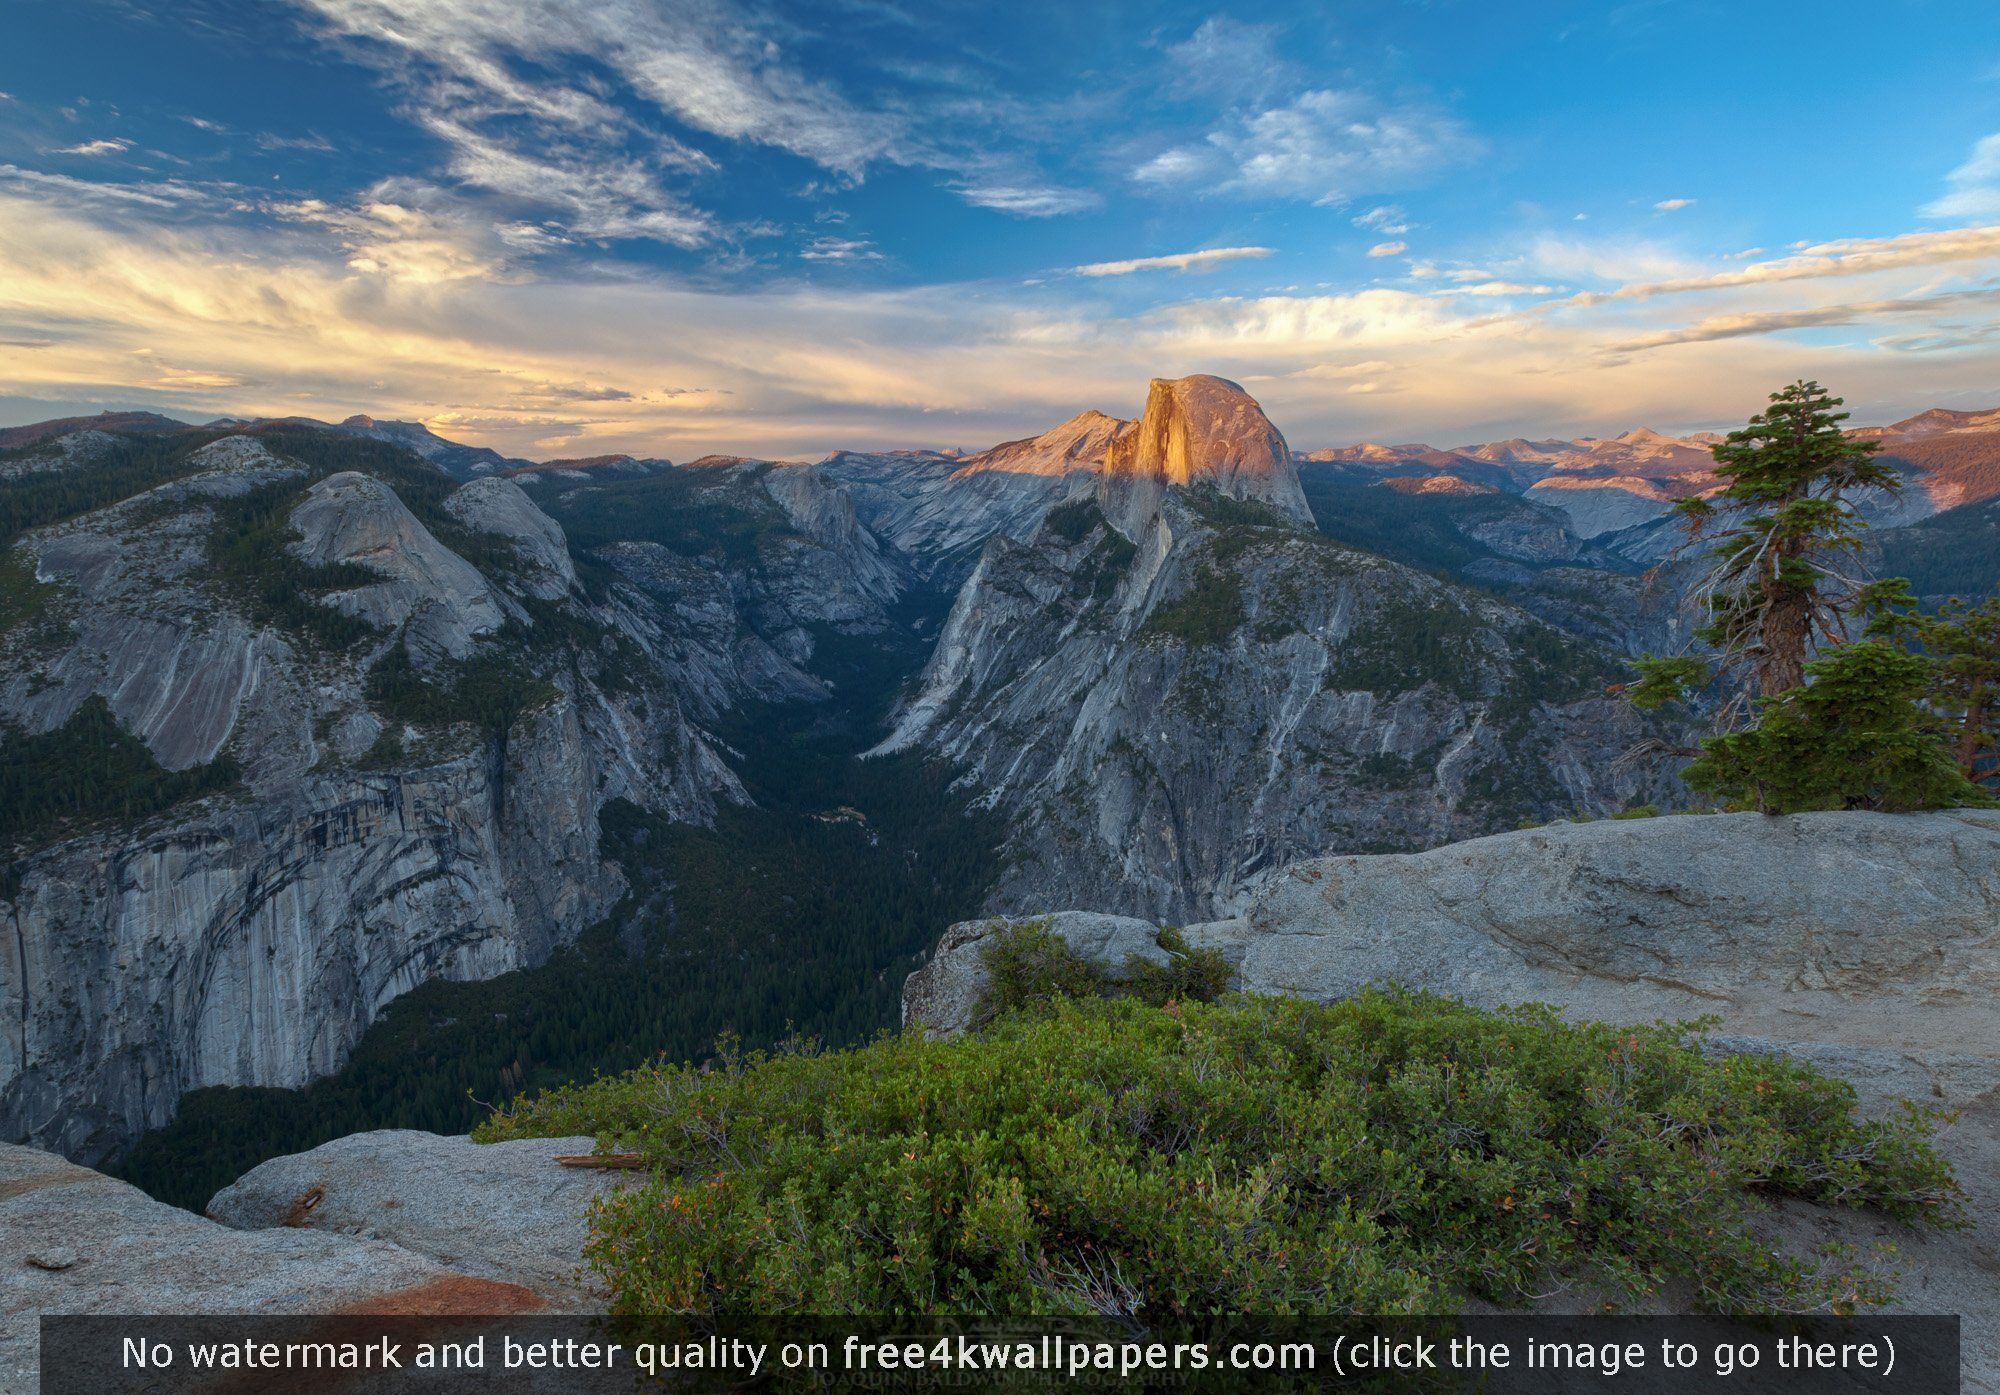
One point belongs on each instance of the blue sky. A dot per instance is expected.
(560, 226)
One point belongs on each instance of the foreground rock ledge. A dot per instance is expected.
(75, 1241)
(1868, 944)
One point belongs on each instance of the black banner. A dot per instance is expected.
(516, 1355)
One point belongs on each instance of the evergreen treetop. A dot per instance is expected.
(1775, 593)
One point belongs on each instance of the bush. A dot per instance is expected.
(1029, 966)
(1392, 1153)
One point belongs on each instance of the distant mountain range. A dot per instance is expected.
(1615, 488)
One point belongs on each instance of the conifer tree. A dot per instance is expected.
(1962, 642)
(1777, 534)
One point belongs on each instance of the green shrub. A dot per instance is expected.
(1029, 966)
(1386, 1154)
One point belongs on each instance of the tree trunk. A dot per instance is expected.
(1971, 734)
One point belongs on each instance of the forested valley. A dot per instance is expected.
(799, 916)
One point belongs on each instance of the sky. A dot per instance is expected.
(671, 227)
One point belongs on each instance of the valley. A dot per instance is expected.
(433, 776)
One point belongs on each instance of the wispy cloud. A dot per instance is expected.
(111, 145)
(1844, 257)
(1498, 288)
(839, 249)
(1388, 249)
(1034, 201)
(1974, 186)
(1174, 261)
(1386, 219)
(571, 99)
(313, 141)
(1806, 317)
(1673, 205)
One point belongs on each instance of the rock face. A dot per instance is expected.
(253, 942)
(75, 1241)
(1198, 432)
(442, 598)
(502, 1211)
(1868, 944)
(1166, 718)
(502, 508)
(251, 938)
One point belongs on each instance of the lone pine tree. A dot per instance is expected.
(1777, 532)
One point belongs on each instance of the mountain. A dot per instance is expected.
(1175, 683)
(376, 709)
(459, 461)
(291, 722)
(16, 437)
(1620, 490)
(1198, 432)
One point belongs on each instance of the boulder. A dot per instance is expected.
(76, 1241)
(944, 995)
(502, 1211)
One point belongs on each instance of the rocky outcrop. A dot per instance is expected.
(250, 939)
(1167, 718)
(443, 599)
(1852, 929)
(252, 942)
(75, 1241)
(502, 1211)
(502, 508)
(1198, 432)
(1868, 944)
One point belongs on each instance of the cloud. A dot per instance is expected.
(582, 87)
(1229, 57)
(108, 146)
(1176, 261)
(411, 301)
(1028, 202)
(403, 242)
(839, 249)
(1388, 249)
(1324, 146)
(1809, 317)
(267, 140)
(1498, 288)
(1975, 185)
(1672, 205)
(1386, 219)
(607, 197)
(1845, 257)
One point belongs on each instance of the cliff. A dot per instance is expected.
(298, 634)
